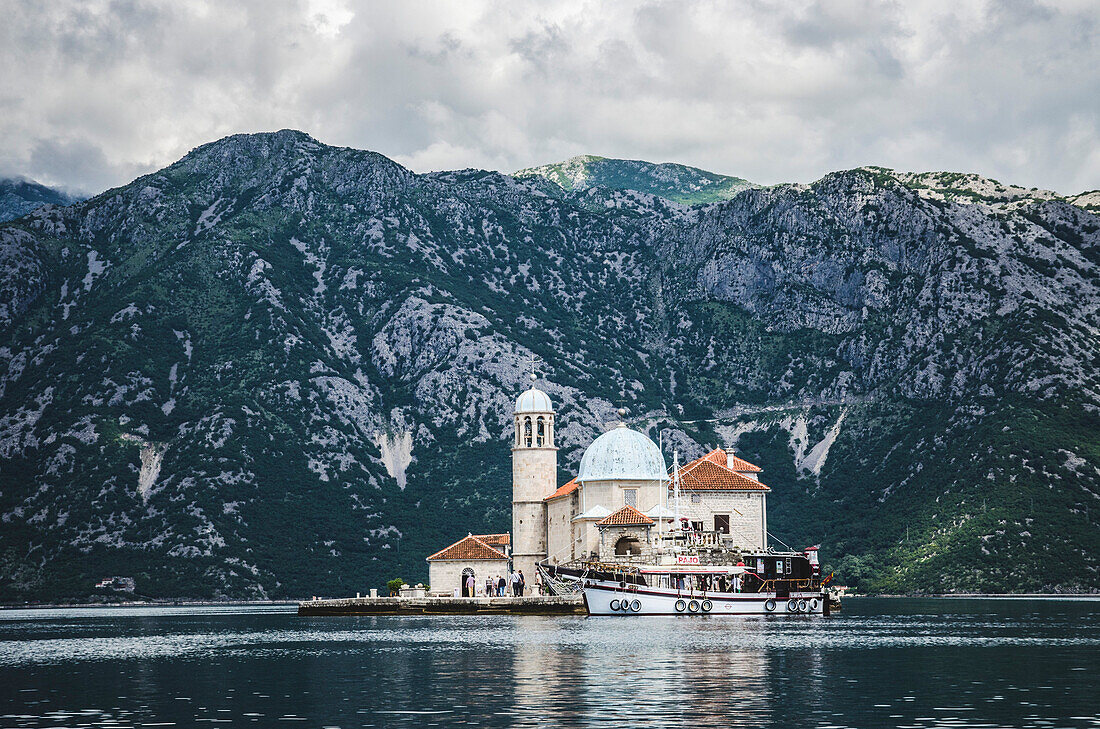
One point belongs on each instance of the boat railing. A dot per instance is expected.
(792, 584)
(698, 539)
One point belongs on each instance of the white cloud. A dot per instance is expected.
(97, 92)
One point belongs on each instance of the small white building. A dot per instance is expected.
(477, 555)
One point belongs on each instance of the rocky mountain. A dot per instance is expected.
(278, 368)
(678, 183)
(19, 196)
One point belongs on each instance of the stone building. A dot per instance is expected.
(621, 500)
(722, 493)
(480, 555)
(620, 468)
(625, 533)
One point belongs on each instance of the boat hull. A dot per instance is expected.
(608, 600)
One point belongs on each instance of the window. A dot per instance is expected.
(696, 499)
(541, 438)
(630, 497)
(722, 523)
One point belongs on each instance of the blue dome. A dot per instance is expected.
(534, 401)
(622, 454)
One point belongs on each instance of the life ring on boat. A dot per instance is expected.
(635, 605)
(693, 606)
(792, 606)
(681, 606)
(625, 605)
(814, 604)
(801, 606)
(769, 605)
(707, 606)
(614, 604)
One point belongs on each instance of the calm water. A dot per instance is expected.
(880, 663)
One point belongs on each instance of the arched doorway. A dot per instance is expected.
(628, 546)
(467, 573)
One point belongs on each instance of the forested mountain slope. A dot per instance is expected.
(277, 368)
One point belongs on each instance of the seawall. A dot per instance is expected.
(571, 605)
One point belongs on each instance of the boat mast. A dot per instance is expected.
(676, 487)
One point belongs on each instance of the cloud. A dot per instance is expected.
(96, 92)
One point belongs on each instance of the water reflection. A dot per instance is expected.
(880, 663)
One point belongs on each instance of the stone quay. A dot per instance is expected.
(534, 605)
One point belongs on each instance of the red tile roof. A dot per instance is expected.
(742, 466)
(495, 540)
(468, 548)
(717, 456)
(563, 491)
(706, 474)
(728, 460)
(626, 516)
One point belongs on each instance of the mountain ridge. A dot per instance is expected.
(20, 195)
(278, 368)
(672, 181)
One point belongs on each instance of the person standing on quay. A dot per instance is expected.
(515, 584)
(471, 586)
(488, 586)
(502, 585)
(522, 583)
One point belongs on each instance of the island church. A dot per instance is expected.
(621, 500)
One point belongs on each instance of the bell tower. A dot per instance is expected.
(534, 477)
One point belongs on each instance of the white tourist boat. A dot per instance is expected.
(665, 592)
(775, 583)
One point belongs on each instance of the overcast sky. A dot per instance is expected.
(93, 94)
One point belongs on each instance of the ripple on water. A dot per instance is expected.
(879, 663)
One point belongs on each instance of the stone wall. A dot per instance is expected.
(560, 544)
(534, 477)
(610, 494)
(611, 534)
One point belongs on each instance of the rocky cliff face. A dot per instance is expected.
(278, 368)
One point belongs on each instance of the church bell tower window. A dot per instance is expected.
(541, 438)
(527, 432)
